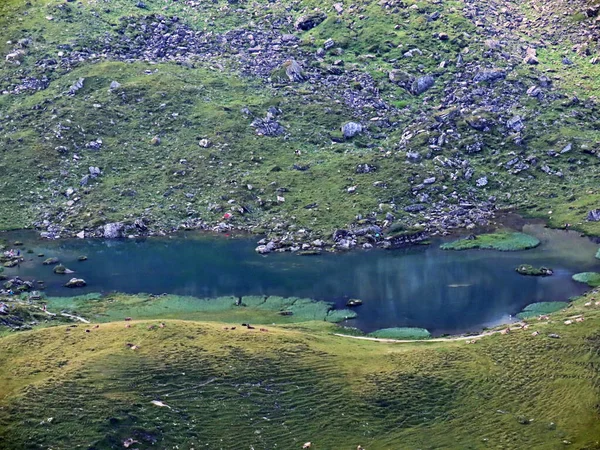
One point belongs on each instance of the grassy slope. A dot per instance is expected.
(290, 385)
(208, 103)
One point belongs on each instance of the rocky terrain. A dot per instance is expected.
(330, 124)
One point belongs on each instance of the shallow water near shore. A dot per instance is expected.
(443, 291)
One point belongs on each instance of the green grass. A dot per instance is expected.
(294, 384)
(182, 105)
(253, 309)
(591, 278)
(502, 241)
(528, 269)
(401, 333)
(541, 308)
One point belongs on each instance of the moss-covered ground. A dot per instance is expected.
(502, 241)
(89, 386)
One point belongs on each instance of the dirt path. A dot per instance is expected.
(406, 341)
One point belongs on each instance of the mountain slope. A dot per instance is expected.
(461, 108)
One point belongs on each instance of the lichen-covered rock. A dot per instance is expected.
(290, 70)
(422, 84)
(113, 230)
(351, 129)
(309, 21)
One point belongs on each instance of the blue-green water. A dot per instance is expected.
(443, 291)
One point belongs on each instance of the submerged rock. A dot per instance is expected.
(50, 261)
(61, 270)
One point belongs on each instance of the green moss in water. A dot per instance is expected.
(591, 278)
(527, 269)
(540, 308)
(401, 333)
(502, 241)
(255, 309)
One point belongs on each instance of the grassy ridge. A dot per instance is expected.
(291, 385)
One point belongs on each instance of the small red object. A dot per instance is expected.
(227, 216)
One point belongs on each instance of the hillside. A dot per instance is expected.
(96, 386)
(296, 118)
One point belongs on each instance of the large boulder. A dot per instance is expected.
(594, 215)
(351, 129)
(309, 21)
(422, 84)
(290, 70)
(75, 283)
(489, 76)
(113, 230)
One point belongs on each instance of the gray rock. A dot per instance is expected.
(115, 85)
(294, 71)
(415, 208)
(267, 127)
(515, 124)
(329, 43)
(309, 21)
(413, 156)
(113, 230)
(94, 145)
(76, 86)
(422, 84)
(481, 182)
(75, 283)
(594, 215)
(365, 168)
(351, 129)
(262, 250)
(94, 171)
(429, 180)
(489, 76)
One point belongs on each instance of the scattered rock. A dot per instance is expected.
(531, 56)
(422, 84)
(75, 283)
(481, 182)
(51, 261)
(351, 129)
(113, 230)
(76, 86)
(594, 215)
(309, 21)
